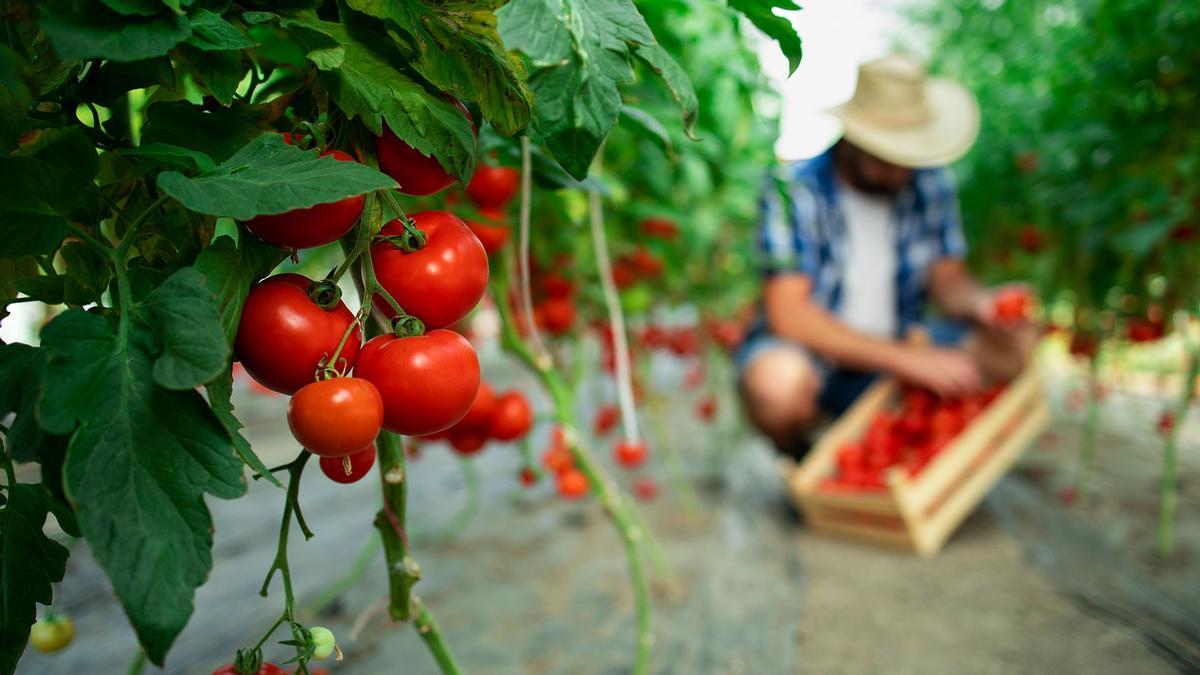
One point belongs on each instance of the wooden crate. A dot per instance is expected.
(919, 513)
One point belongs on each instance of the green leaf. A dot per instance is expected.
(677, 80)
(476, 67)
(218, 133)
(211, 33)
(219, 72)
(30, 562)
(33, 198)
(269, 176)
(220, 392)
(19, 389)
(49, 290)
(87, 275)
(140, 461)
(172, 156)
(135, 7)
(115, 78)
(648, 125)
(228, 278)
(69, 151)
(13, 272)
(369, 85)
(84, 29)
(581, 54)
(761, 14)
(185, 316)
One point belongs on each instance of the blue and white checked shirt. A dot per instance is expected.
(802, 230)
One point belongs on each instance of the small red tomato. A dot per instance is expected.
(416, 173)
(645, 263)
(623, 274)
(1166, 422)
(494, 234)
(266, 669)
(467, 441)
(335, 468)
(554, 285)
(1145, 330)
(427, 382)
(662, 228)
(645, 489)
(283, 335)
(335, 417)
(629, 455)
(850, 458)
(1011, 305)
(483, 409)
(1030, 239)
(439, 283)
(606, 419)
(314, 226)
(513, 417)
(572, 484)
(557, 315)
(706, 409)
(557, 459)
(492, 187)
(528, 477)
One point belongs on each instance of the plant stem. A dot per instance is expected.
(86, 237)
(672, 462)
(403, 571)
(138, 663)
(427, 628)
(1168, 489)
(291, 505)
(525, 282)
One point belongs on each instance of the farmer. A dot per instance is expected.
(858, 243)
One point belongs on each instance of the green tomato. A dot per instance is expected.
(323, 642)
(51, 634)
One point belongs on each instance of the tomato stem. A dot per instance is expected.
(1168, 488)
(427, 628)
(523, 281)
(280, 563)
(403, 572)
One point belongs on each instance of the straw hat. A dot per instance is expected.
(902, 115)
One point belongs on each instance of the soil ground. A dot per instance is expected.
(533, 585)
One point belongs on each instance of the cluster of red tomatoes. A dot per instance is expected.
(297, 337)
(909, 436)
(502, 417)
(558, 460)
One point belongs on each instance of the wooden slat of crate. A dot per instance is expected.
(819, 462)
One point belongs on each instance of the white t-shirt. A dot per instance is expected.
(869, 280)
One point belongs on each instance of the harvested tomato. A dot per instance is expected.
(492, 187)
(645, 489)
(314, 226)
(483, 409)
(439, 283)
(494, 234)
(572, 484)
(428, 382)
(335, 417)
(283, 335)
(416, 173)
(1011, 305)
(50, 634)
(557, 315)
(629, 454)
(606, 419)
(360, 464)
(513, 417)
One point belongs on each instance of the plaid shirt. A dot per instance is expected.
(803, 230)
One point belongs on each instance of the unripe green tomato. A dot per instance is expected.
(323, 641)
(52, 634)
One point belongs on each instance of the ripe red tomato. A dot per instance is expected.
(265, 669)
(558, 459)
(556, 315)
(492, 187)
(417, 174)
(335, 417)
(629, 455)
(513, 417)
(662, 228)
(1030, 239)
(554, 285)
(645, 263)
(1166, 422)
(314, 226)
(467, 441)
(606, 419)
(493, 235)
(428, 382)
(706, 409)
(483, 409)
(645, 489)
(623, 274)
(440, 283)
(360, 464)
(1145, 330)
(528, 477)
(283, 335)
(572, 484)
(1011, 305)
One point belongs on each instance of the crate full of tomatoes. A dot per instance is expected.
(904, 468)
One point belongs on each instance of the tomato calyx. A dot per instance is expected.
(308, 135)
(407, 325)
(248, 661)
(325, 293)
(411, 241)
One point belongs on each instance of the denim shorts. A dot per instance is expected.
(840, 386)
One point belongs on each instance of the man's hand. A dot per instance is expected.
(1003, 308)
(948, 373)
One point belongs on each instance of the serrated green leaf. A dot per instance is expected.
(172, 156)
(218, 72)
(83, 29)
(42, 288)
(478, 68)
(135, 7)
(217, 133)
(87, 274)
(30, 562)
(211, 32)
(761, 14)
(369, 85)
(228, 276)
(115, 78)
(677, 80)
(220, 392)
(648, 125)
(269, 176)
(33, 198)
(140, 461)
(184, 315)
(69, 151)
(581, 54)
